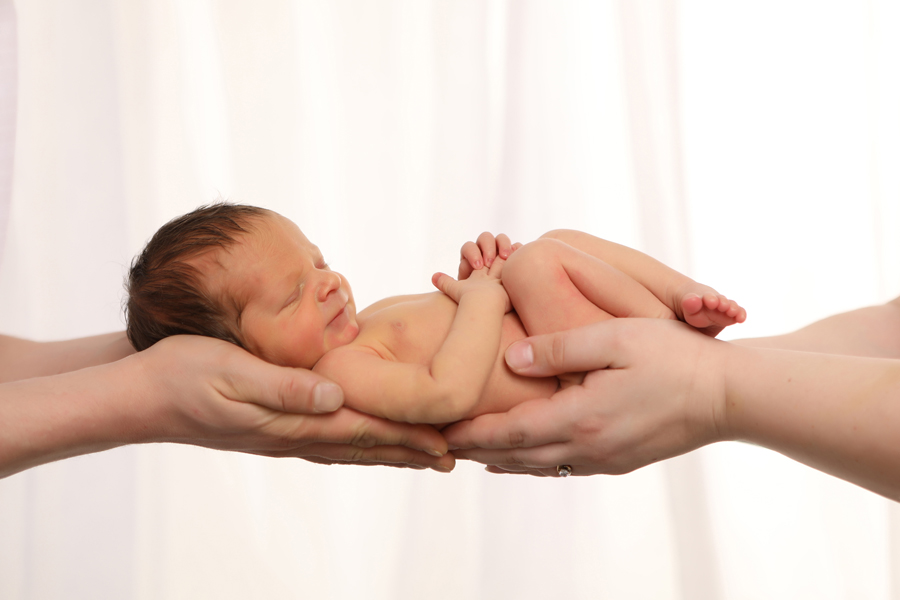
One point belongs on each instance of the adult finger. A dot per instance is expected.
(522, 471)
(283, 389)
(347, 426)
(595, 346)
(488, 245)
(540, 457)
(532, 423)
(398, 456)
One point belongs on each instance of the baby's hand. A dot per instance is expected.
(483, 251)
(485, 281)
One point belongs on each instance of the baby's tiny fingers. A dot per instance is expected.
(446, 284)
(488, 245)
(471, 253)
(504, 246)
(496, 268)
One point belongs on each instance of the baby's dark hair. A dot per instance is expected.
(165, 293)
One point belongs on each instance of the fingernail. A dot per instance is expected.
(441, 469)
(477, 264)
(434, 452)
(327, 397)
(520, 356)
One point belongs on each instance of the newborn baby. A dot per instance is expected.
(249, 276)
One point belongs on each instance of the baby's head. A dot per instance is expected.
(242, 274)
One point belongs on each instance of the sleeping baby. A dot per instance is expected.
(250, 276)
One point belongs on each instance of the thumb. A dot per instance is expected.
(283, 389)
(448, 285)
(586, 348)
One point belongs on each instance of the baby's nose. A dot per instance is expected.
(329, 281)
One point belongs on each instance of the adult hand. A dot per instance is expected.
(656, 390)
(211, 393)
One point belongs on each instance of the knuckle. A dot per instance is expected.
(557, 350)
(362, 437)
(517, 439)
(288, 391)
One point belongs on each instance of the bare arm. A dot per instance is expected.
(205, 392)
(446, 389)
(23, 359)
(839, 414)
(872, 332)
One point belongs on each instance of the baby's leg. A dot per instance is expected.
(694, 303)
(554, 286)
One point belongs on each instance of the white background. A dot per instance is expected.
(755, 146)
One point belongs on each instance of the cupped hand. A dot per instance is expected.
(482, 252)
(655, 390)
(211, 393)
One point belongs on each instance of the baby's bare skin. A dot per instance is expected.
(412, 329)
(431, 358)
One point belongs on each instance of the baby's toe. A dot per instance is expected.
(711, 301)
(691, 304)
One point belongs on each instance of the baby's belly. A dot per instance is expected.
(504, 388)
(413, 328)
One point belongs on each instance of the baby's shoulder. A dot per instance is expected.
(335, 363)
(389, 302)
(395, 302)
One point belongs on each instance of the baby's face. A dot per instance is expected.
(295, 309)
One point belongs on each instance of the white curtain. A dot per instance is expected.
(754, 146)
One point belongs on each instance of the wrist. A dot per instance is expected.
(718, 367)
(488, 297)
(743, 365)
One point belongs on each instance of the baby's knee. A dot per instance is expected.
(563, 235)
(532, 263)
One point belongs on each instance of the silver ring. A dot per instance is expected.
(564, 470)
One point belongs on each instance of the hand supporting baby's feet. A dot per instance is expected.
(709, 311)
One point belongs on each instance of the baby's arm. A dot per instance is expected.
(445, 390)
(696, 304)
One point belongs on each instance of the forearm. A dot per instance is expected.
(49, 418)
(24, 359)
(839, 414)
(461, 368)
(873, 332)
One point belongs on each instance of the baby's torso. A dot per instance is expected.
(411, 329)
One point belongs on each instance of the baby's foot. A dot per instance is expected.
(710, 312)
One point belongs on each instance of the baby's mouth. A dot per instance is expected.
(339, 313)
